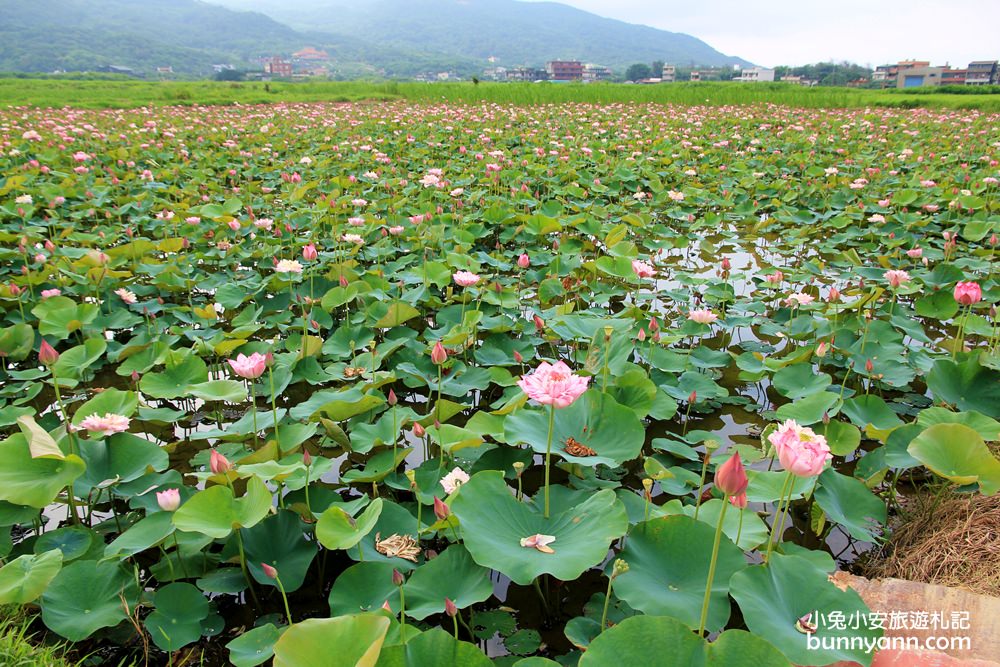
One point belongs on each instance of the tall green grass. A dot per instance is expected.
(18, 648)
(126, 94)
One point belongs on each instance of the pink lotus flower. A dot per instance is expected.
(702, 316)
(643, 269)
(524, 261)
(168, 500)
(896, 277)
(553, 384)
(396, 230)
(251, 367)
(968, 293)
(107, 425)
(774, 278)
(465, 278)
(309, 252)
(439, 355)
(47, 293)
(540, 542)
(800, 450)
(914, 253)
(456, 478)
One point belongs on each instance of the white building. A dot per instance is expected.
(756, 74)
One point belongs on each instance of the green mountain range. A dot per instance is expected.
(398, 38)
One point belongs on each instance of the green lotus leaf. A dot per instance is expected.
(378, 466)
(800, 380)
(745, 523)
(842, 438)
(123, 458)
(174, 382)
(811, 408)
(594, 420)
(25, 578)
(219, 390)
(336, 529)
(86, 596)
(850, 503)
(344, 641)
(454, 575)
(17, 341)
(74, 361)
(59, 316)
(636, 639)
(72, 541)
(176, 621)
(871, 411)
(494, 523)
(216, 513)
(25, 480)
(967, 385)
(433, 647)
(775, 596)
(280, 541)
(254, 647)
(957, 453)
(987, 427)
(668, 562)
(145, 534)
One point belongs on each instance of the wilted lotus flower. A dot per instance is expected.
(540, 542)
(126, 296)
(107, 425)
(896, 278)
(453, 480)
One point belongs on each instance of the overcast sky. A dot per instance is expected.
(797, 32)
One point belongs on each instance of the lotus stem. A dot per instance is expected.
(785, 490)
(284, 598)
(274, 411)
(548, 455)
(253, 408)
(711, 570)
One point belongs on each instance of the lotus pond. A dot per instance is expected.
(415, 384)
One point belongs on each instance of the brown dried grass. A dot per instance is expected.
(952, 541)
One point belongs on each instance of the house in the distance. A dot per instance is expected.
(564, 70)
(915, 77)
(669, 74)
(755, 75)
(526, 74)
(279, 67)
(592, 73)
(309, 54)
(982, 73)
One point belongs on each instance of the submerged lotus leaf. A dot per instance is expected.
(494, 523)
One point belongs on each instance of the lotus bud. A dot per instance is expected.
(739, 501)
(47, 354)
(218, 463)
(834, 294)
(418, 430)
(392, 400)
(135, 376)
(397, 577)
(821, 349)
(869, 366)
(518, 358)
(524, 261)
(826, 417)
(307, 458)
(693, 397)
(439, 355)
(385, 605)
(539, 323)
(441, 510)
(730, 477)
(726, 265)
(343, 281)
(450, 608)
(654, 325)
(15, 291)
(269, 571)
